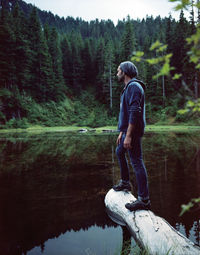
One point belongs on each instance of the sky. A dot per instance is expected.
(107, 9)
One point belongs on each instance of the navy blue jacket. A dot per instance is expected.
(132, 107)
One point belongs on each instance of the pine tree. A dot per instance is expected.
(56, 61)
(108, 74)
(179, 57)
(192, 19)
(86, 57)
(169, 34)
(7, 41)
(41, 73)
(67, 62)
(21, 56)
(77, 65)
(99, 67)
(128, 41)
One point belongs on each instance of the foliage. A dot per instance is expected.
(192, 108)
(191, 204)
(47, 61)
(83, 111)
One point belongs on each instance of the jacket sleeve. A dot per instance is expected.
(134, 96)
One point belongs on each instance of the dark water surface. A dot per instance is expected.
(52, 190)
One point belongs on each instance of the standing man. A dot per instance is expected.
(131, 126)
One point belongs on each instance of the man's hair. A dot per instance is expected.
(129, 69)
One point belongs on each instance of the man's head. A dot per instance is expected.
(126, 68)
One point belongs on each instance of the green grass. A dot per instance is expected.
(178, 128)
(149, 128)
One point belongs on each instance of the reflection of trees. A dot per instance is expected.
(53, 183)
(172, 162)
(68, 147)
(126, 245)
(52, 186)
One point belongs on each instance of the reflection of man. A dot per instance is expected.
(131, 126)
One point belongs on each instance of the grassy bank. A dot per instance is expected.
(149, 128)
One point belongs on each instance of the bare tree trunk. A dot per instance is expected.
(163, 89)
(151, 232)
(196, 87)
(110, 81)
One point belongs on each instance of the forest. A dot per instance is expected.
(62, 71)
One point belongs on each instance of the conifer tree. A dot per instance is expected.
(77, 65)
(21, 56)
(86, 56)
(56, 61)
(179, 57)
(108, 74)
(99, 67)
(41, 73)
(67, 62)
(7, 42)
(128, 41)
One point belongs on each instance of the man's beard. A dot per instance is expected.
(121, 78)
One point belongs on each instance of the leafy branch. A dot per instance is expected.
(187, 207)
(163, 60)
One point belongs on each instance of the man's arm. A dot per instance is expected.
(119, 138)
(129, 135)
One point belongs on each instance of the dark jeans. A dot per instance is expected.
(135, 154)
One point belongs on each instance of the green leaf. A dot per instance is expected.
(155, 45)
(196, 200)
(137, 56)
(176, 76)
(198, 66)
(162, 48)
(190, 103)
(153, 61)
(197, 5)
(138, 53)
(183, 4)
(186, 208)
(182, 111)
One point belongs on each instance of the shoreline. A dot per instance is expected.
(149, 128)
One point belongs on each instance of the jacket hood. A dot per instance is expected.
(140, 82)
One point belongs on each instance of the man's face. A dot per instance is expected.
(120, 75)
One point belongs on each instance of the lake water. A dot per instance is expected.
(52, 189)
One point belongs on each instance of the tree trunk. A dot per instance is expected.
(151, 232)
(110, 82)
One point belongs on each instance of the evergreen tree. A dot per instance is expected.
(179, 57)
(77, 65)
(21, 56)
(41, 72)
(108, 74)
(87, 64)
(169, 34)
(7, 41)
(67, 62)
(128, 41)
(99, 67)
(58, 90)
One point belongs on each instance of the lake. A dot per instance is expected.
(52, 189)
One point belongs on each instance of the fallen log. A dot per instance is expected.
(151, 232)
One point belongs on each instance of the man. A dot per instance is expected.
(131, 126)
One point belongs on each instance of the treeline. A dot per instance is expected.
(56, 71)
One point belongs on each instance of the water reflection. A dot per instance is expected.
(52, 190)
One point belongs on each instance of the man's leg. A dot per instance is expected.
(121, 155)
(135, 154)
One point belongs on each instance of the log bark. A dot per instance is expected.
(151, 232)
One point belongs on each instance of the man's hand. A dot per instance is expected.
(127, 142)
(119, 138)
